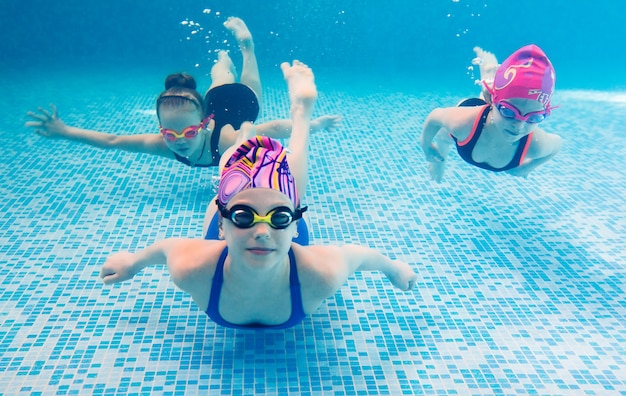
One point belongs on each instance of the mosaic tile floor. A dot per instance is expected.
(521, 288)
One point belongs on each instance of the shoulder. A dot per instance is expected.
(192, 267)
(455, 119)
(154, 142)
(544, 144)
(149, 143)
(193, 259)
(321, 268)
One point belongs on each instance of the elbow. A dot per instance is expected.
(110, 142)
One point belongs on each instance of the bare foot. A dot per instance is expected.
(223, 71)
(402, 276)
(301, 84)
(487, 63)
(224, 59)
(239, 29)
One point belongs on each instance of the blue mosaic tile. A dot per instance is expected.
(521, 281)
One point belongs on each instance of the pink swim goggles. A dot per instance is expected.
(188, 133)
(509, 111)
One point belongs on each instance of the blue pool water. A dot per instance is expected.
(521, 281)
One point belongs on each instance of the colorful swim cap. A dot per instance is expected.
(526, 74)
(260, 162)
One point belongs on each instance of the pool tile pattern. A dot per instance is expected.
(521, 281)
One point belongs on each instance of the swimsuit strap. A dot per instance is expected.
(216, 286)
(297, 310)
(477, 128)
(187, 162)
(520, 152)
(215, 144)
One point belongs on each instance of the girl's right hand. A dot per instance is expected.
(432, 153)
(47, 123)
(119, 267)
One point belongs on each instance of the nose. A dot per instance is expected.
(518, 124)
(262, 231)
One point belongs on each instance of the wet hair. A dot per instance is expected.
(180, 88)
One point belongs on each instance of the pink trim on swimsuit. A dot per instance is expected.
(526, 147)
(474, 127)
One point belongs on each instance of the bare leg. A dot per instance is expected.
(443, 141)
(488, 65)
(223, 71)
(247, 131)
(302, 94)
(250, 75)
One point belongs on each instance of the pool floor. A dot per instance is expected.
(521, 281)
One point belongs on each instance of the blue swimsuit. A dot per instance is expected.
(297, 311)
(466, 147)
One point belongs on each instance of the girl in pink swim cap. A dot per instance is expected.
(500, 131)
(253, 273)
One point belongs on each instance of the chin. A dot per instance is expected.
(513, 137)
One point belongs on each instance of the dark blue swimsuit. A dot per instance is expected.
(297, 311)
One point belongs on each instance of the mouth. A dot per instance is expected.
(260, 251)
(511, 133)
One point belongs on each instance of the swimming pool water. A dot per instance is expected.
(521, 281)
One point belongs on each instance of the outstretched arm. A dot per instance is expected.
(123, 266)
(48, 124)
(281, 129)
(184, 258)
(361, 258)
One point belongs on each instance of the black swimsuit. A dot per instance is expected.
(466, 147)
(231, 104)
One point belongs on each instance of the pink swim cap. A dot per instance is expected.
(260, 162)
(526, 74)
